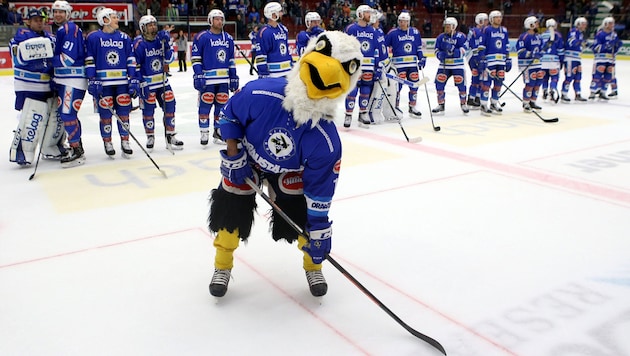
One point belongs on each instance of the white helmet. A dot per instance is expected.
(608, 20)
(404, 16)
(362, 9)
(451, 21)
(104, 13)
(271, 9)
(493, 14)
(215, 13)
(376, 16)
(63, 6)
(551, 23)
(480, 18)
(311, 16)
(579, 21)
(144, 21)
(530, 23)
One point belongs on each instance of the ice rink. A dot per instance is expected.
(500, 235)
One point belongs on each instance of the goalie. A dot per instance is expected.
(31, 51)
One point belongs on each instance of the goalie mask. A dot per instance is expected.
(329, 68)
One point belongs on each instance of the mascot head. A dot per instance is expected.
(329, 68)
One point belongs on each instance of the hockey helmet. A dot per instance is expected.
(493, 14)
(363, 9)
(608, 20)
(530, 23)
(215, 13)
(144, 21)
(579, 21)
(404, 16)
(105, 13)
(271, 9)
(310, 17)
(551, 23)
(36, 13)
(451, 21)
(480, 18)
(376, 16)
(62, 5)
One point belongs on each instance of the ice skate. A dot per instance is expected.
(594, 94)
(485, 110)
(316, 283)
(534, 106)
(126, 148)
(472, 104)
(545, 95)
(75, 156)
(565, 99)
(465, 108)
(150, 142)
(414, 114)
(554, 95)
(613, 94)
(496, 109)
(527, 108)
(219, 283)
(364, 120)
(579, 98)
(205, 137)
(439, 110)
(216, 137)
(603, 96)
(172, 143)
(347, 120)
(109, 149)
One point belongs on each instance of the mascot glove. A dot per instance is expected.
(508, 64)
(318, 245)
(441, 55)
(422, 62)
(199, 82)
(236, 168)
(95, 87)
(164, 36)
(234, 83)
(134, 87)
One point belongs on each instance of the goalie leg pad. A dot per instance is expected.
(55, 136)
(232, 212)
(33, 119)
(289, 196)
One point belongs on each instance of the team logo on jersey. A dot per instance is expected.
(407, 47)
(365, 46)
(283, 48)
(156, 65)
(279, 144)
(221, 55)
(498, 44)
(112, 58)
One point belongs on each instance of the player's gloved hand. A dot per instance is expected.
(236, 168)
(508, 64)
(234, 83)
(441, 55)
(199, 82)
(448, 47)
(319, 244)
(536, 53)
(263, 71)
(164, 36)
(482, 65)
(134, 87)
(145, 92)
(422, 61)
(378, 74)
(95, 87)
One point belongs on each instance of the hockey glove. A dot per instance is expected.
(134, 87)
(482, 65)
(536, 53)
(236, 168)
(164, 36)
(441, 55)
(199, 82)
(95, 87)
(422, 62)
(508, 64)
(234, 83)
(318, 245)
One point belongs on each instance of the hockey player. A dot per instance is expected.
(450, 50)
(273, 58)
(378, 108)
(111, 70)
(407, 57)
(529, 52)
(474, 44)
(152, 53)
(550, 62)
(605, 47)
(32, 51)
(312, 20)
(212, 58)
(371, 70)
(572, 60)
(70, 80)
(291, 142)
(494, 62)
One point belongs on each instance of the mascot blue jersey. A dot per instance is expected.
(276, 144)
(213, 56)
(110, 57)
(149, 57)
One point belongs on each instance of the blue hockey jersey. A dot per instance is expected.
(213, 56)
(69, 58)
(150, 60)
(109, 57)
(370, 47)
(303, 37)
(574, 45)
(31, 75)
(496, 45)
(406, 47)
(273, 57)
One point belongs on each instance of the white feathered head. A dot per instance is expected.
(329, 68)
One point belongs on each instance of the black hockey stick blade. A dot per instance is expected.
(555, 119)
(343, 271)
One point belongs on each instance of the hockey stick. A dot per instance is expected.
(426, 91)
(400, 80)
(39, 152)
(126, 126)
(247, 59)
(346, 274)
(555, 119)
(412, 140)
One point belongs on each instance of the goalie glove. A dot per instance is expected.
(236, 168)
(319, 244)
